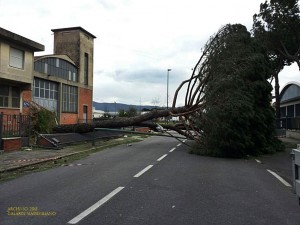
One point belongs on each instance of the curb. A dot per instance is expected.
(51, 159)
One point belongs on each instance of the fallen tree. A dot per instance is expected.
(227, 107)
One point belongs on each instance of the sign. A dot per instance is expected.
(26, 104)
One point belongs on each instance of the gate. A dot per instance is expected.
(16, 125)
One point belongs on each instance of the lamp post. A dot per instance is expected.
(168, 92)
(168, 88)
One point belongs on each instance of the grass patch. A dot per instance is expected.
(78, 151)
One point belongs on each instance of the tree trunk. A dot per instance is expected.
(119, 121)
(277, 96)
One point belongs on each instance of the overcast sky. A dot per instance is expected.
(137, 40)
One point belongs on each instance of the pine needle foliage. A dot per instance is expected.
(238, 119)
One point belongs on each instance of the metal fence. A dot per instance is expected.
(16, 125)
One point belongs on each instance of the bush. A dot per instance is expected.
(45, 121)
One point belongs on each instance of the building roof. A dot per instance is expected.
(12, 37)
(290, 92)
(73, 28)
(60, 56)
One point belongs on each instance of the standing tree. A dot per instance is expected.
(132, 111)
(155, 101)
(277, 26)
(122, 113)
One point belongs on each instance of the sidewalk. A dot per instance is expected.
(17, 159)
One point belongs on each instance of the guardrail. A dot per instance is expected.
(296, 170)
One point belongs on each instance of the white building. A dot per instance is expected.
(98, 113)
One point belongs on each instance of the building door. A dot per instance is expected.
(85, 113)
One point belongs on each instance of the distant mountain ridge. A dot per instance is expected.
(115, 107)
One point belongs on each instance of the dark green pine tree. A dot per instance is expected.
(277, 26)
(238, 119)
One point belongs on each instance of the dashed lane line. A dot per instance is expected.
(258, 161)
(279, 178)
(172, 149)
(102, 201)
(143, 171)
(95, 206)
(161, 158)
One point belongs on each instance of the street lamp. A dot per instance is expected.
(168, 88)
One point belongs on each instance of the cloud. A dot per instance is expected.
(148, 75)
(137, 40)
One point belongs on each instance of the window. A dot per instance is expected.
(86, 68)
(16, 58)
(4, 95)
(69, 99)
(46, 68)
(15, 97)
(297, 110)
(283, 111)
(45, 89)
(290, 111)
(57, 67)
(9, 96)
(70, 75)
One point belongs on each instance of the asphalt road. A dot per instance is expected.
(150, 182)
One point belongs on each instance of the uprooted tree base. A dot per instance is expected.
(227, 107)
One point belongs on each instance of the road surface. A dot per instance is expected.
(152, 182)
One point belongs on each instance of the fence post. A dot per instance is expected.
(93, 141)
(29, 129)
(1, 125)
(20, 124)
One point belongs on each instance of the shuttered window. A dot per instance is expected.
(16, 58)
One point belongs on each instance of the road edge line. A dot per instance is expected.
(279, 178)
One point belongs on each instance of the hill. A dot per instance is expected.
(115, 107)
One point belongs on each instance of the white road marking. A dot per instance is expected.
(258, 161)
(161, 158)
(178, 145)
(279, 178)
(143, 171)
(95, 206)
(172, 149)
(184, 140)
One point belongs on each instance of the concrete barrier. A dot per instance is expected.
(296, 171)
